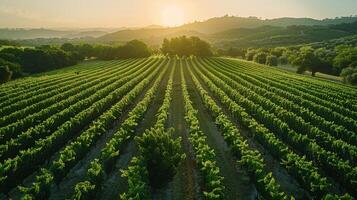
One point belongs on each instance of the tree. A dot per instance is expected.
(186, 46)
(132, 49)
(260, 57)
(135, 49)
(39, 59)
(86, 50)
(345, 57)
(307, 60)
(250, 55)
(46, 57)
(15, 68)
(200, 47)
(9, 57)
(232, 51)
(271, 60)
(36, 60)
(166, 47)
(291, 55)
(278, 51)
(68, 47)
(14, 51)
(283, 60)
(349, 75)
(325, 61)
(5, 74)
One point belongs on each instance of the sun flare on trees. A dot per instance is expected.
(172, 15)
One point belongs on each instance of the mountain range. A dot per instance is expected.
(246, 32)
(220, 31)
(22, 34)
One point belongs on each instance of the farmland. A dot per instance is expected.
(241, 131)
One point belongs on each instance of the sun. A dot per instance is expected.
(172, 15)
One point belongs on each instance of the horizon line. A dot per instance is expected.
(58, 28)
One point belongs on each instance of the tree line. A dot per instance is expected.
(16, 62)
(131, 49)
(186, 46)
(335, 57)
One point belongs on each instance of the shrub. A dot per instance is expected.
(271, 60)
(249, 55)
(5, 74)
(349, 75)
(345, 58)
(161, 153)
(15, 68)
(41, 188)
(283, 60)
(260, 57)
(186, 46)
(84, 190)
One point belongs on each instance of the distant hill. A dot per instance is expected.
(276, 36)
(20, 34)
(153, 36)
(220, 31)
(233, 28)
(86, 34)
(30, 33)
(331, 44)
(224, 23)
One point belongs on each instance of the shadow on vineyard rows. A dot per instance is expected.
(177, 128)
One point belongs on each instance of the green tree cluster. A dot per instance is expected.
(34, 60)
(260, 57)
(250, 55)
(186, 46)
(5, 74)
(306, 60)
(131, 49)
(330, 57)
(45, 58)
(349, 75)
(232, 52)
(271, 60)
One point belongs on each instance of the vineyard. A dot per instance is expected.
(177, 128)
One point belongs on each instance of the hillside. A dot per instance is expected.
(267, 36)
(219, 24)
(21, 34)
(220, 31)
(250, 32)
(152, 36)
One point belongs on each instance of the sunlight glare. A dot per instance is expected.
(172, 15)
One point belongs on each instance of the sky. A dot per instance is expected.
(134, 13)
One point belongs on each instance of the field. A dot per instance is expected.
(247, 131)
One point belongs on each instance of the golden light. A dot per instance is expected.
(172, 15)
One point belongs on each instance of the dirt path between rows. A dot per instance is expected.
(185, 184)
(78, 172)
(287, 182)
(115, 184)
(238, 184)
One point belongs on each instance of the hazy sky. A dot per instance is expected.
(118, 13)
